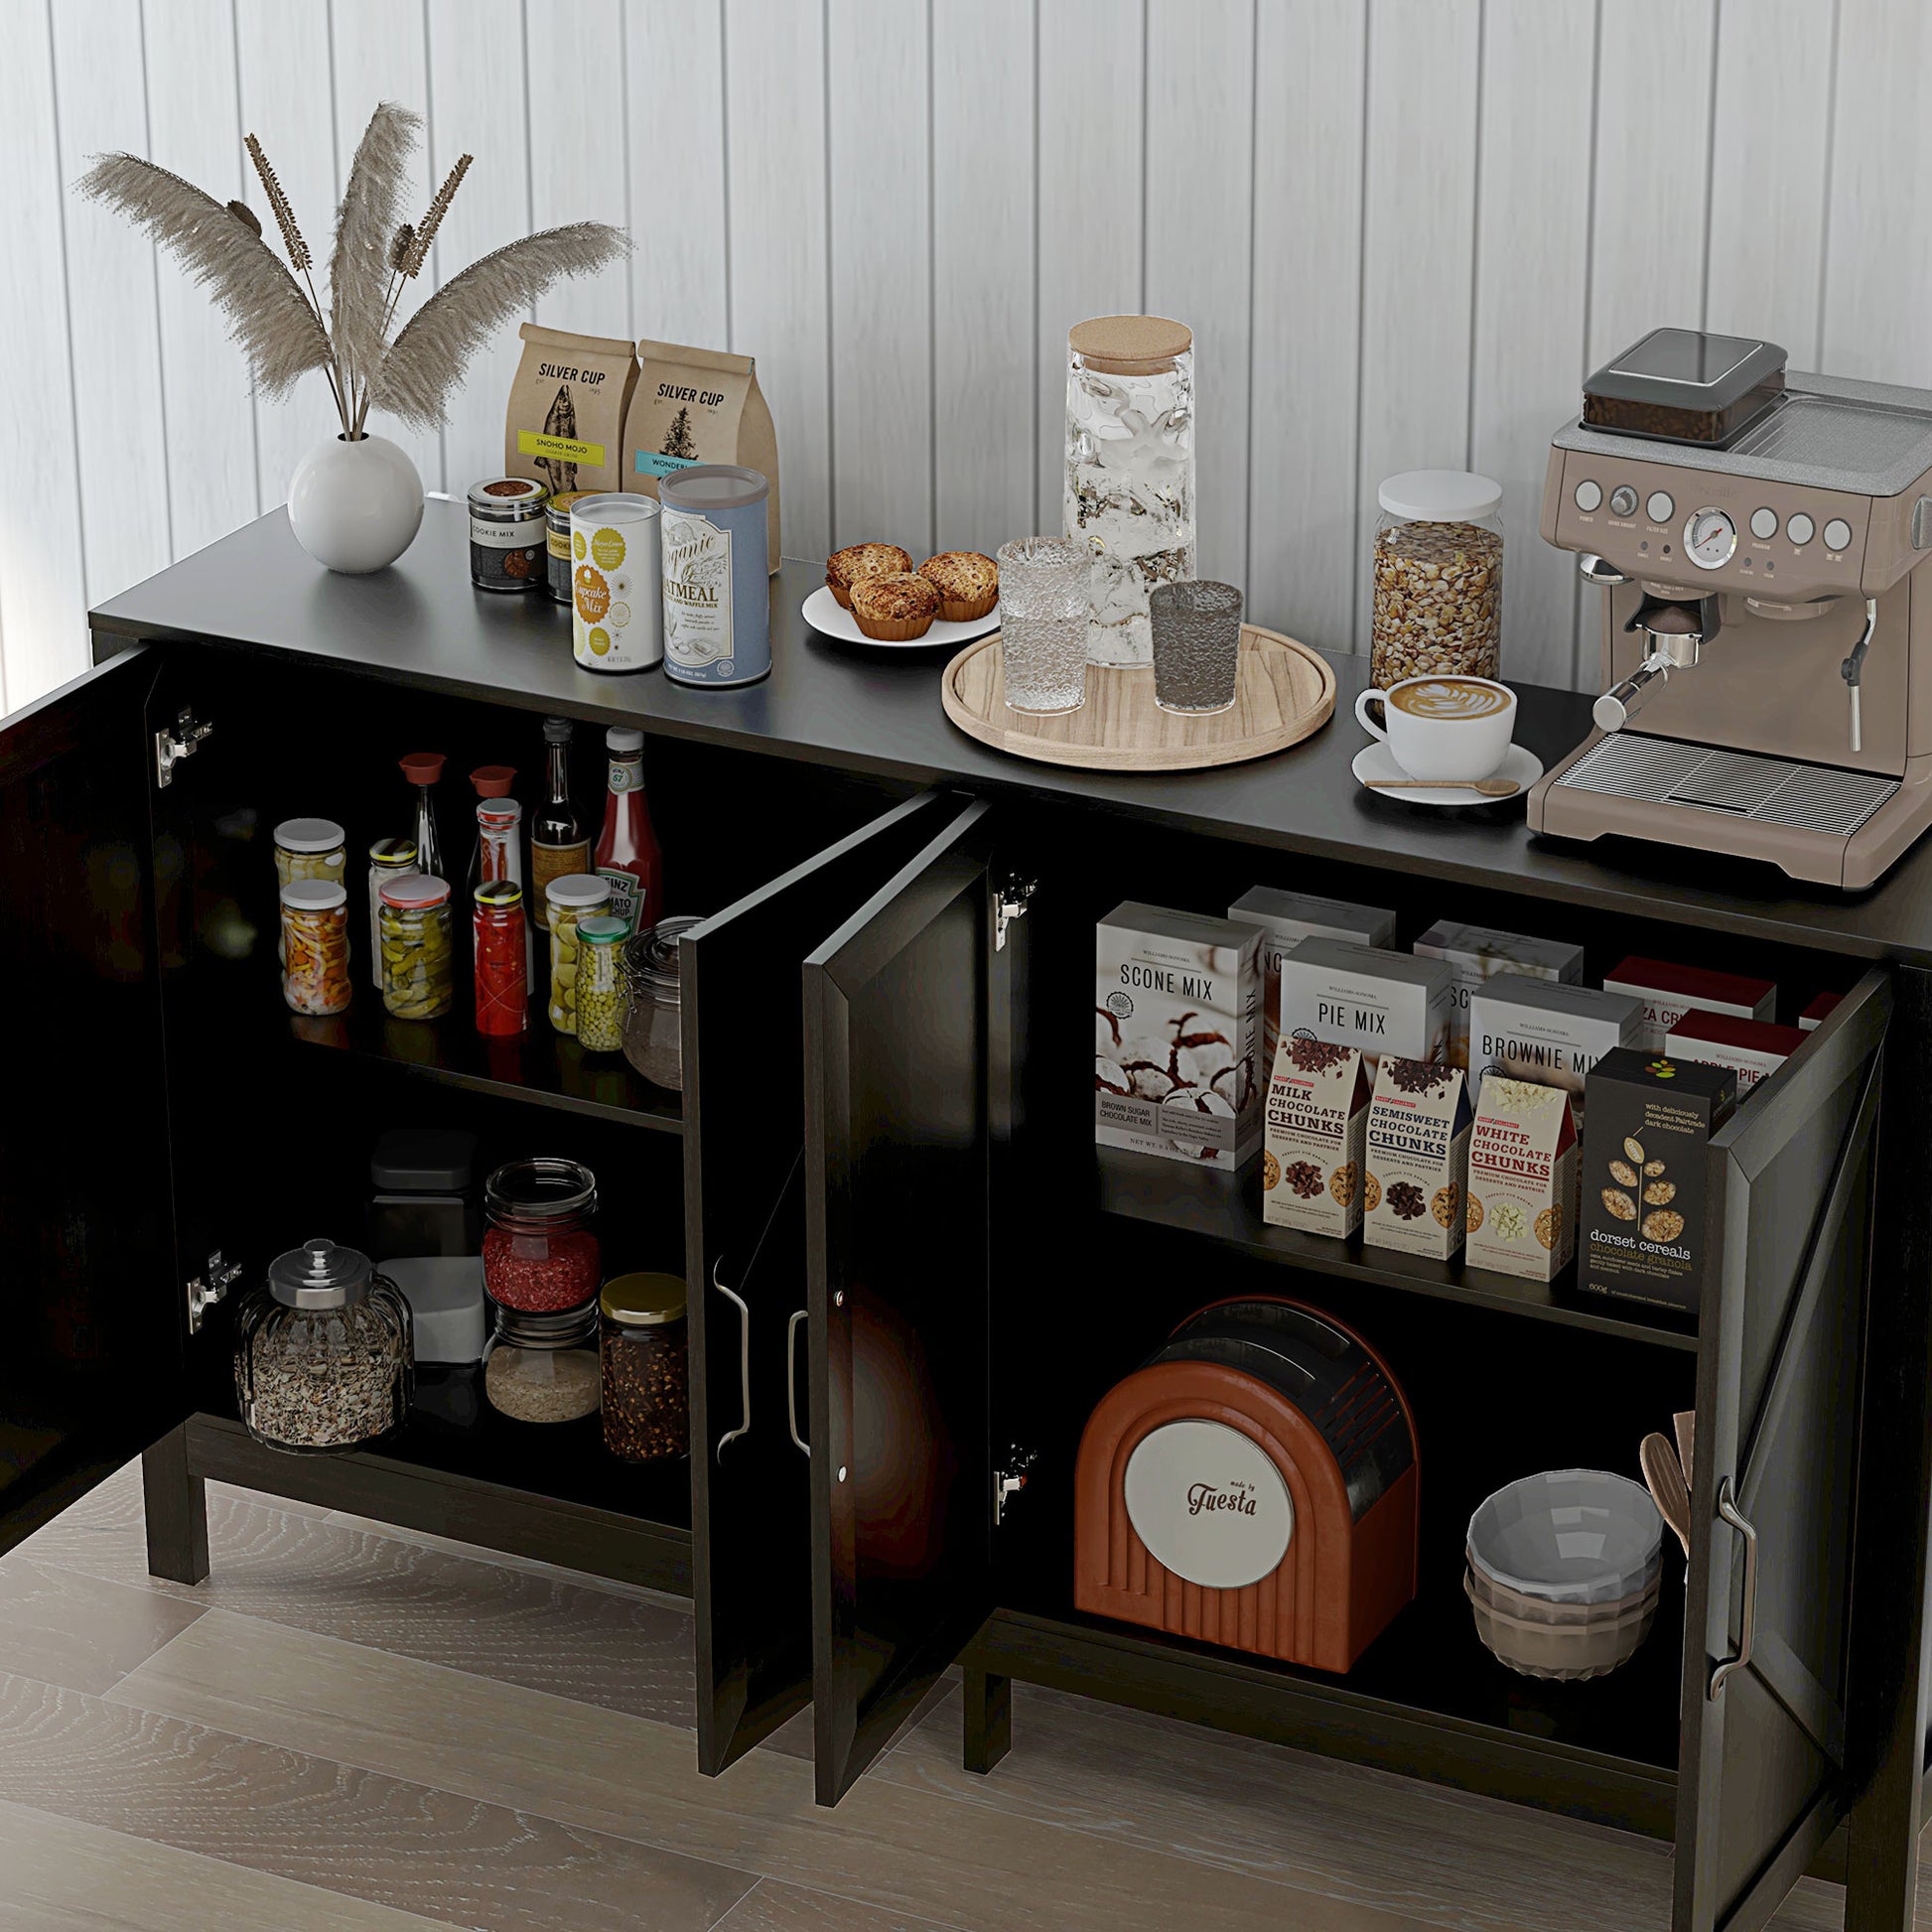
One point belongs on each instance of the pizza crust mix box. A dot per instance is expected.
(1474, 953)
(1820, 1010)
(1522, 1217)
(1751, 1049)
(1365, 996)
(1418, 1157)
(1286, 919)
(1318, 1110)
(1535, 1029)
(1670, 991)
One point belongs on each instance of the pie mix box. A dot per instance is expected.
(1669, 992)
(1286, 919)
(1476, 953)
(1418, 1157)
(1650, 1118)
(1368, 997)
(1751, 1049)
(1318, 1112)
(1820, 1010)
(1536, 1030)
(1176, 1007)
(1522, 1216)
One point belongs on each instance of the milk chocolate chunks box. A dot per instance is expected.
(1286, 919)
(1670, 991)
(1318, 1113)
(1651, 1117)
(1476, 953)
(1176, 1005)
(1419, 1123)
(1522, 1217)
(1365, 996)
(1533, 1030)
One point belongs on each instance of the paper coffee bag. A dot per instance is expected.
(564, 424)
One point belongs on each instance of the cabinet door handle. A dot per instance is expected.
(1747, 1630)
(744, 1359)
(792, 1379)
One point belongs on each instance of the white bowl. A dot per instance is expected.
(1568, 1536)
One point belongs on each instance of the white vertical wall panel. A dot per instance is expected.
(1200, 108)
(880, 158)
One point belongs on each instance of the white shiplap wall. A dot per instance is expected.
(1402, 229)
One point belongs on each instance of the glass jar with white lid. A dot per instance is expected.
(1437, 584)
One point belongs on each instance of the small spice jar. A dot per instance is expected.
(646, 1357)
(600, 999)
(309, 848)
(539, 1254)
(388, 859)
(570, 899)
(556, 518)
(418, 982)
(508, 549)
(544, 1367)
(503, 959)
(1438, 578)
(654, 1020)
(315, 946)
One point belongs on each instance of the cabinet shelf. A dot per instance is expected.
(1222, 1207)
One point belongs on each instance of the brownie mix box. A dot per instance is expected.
(1286, 919)
(1751, 1049)
(1651, 1117)
(1522, 1215)
(1176, 1007)
(1368, 997)
(1474, 953)
(1311, 1164)
(1670, 991)
(1418, 1157)
(1535, 1029)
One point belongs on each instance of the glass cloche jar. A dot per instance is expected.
(322, 1355)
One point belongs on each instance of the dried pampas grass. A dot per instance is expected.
(358, 267)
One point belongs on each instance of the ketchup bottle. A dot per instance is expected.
(627, 853)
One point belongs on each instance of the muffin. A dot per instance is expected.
(896, 608)
(844, 568)
(967, 582)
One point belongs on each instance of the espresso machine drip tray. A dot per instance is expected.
(1773, 791)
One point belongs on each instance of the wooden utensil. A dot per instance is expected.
(1663, 1475)
(1488, 787)
(1686, 1425)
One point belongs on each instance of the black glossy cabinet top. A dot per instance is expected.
(878, 711)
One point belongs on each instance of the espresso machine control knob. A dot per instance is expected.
(1623, 500)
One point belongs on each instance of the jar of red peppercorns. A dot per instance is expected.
(539, 1254)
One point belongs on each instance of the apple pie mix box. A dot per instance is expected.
(1474, 953)
(1651, 1117)
(1365, 996)
(1536, 1030)
(1670, 991)
(1418, 1157)
(1286, 919)
(1522, 1216)
(1751, 1049)
(1318, 1112)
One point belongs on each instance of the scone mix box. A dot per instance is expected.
(1670, 991)
(1365, 996)
(1418, 1157)
(1318, 1115)
(1522, 1213)
(1751, 1049)
(1286, 919)
(1535, 1029)
(1476, 953)
(1177, 1005)
(1650, 1118)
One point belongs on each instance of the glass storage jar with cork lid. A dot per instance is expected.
(1438, 578)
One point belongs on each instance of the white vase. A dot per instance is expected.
(356, 507)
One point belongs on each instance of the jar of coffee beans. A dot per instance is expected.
(646, 1386)
(1438, 578)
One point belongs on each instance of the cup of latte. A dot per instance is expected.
(1453, 730)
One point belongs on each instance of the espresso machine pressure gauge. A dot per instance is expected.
(1709, 537)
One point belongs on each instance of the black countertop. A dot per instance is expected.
(420, 623)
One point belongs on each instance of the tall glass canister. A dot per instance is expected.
(1130, 471)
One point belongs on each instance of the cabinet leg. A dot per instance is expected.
(988, 1718)
(175, 1501)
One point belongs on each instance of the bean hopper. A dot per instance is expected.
(1755, 538)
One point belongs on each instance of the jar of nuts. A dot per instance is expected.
(1438, 577)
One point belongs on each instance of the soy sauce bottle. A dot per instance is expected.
(558, 841)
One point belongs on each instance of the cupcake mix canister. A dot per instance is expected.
(616, 610)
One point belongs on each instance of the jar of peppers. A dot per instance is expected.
(503, 959)
(315, 946)
(539, 1253)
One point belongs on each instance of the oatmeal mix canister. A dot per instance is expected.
(1438, 577)
(716, 585)
(616, 615)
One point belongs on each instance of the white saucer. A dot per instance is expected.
(824, 613)
(1376, 761)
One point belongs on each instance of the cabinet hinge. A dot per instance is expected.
(1010, 1478)
(1010, 901)
(172, 742)
(207, 1288)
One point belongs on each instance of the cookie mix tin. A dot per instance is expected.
(615, 607)
(556, 523)
(506, 543)
(716, 585)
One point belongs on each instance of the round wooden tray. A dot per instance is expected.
(1283, 694)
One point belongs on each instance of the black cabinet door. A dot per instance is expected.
(1762, 1775)
(93, 1366)
(745, 1123)
(908, 1020)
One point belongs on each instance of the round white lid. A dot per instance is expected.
(314, 895)
(309, 835)
(1440, 495)
(577, 888)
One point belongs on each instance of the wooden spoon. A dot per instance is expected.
(1663, 1475)
(1488, 787)
(1686, 1425)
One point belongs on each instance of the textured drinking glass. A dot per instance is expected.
(1196, 645)
(1044, 624)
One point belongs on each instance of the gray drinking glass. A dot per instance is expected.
(1196, 629)
(1044, 624)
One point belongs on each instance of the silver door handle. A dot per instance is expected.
(1748, 1631)
(792, 1380)
(744, 1359)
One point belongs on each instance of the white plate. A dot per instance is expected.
(824, 613)
(1378, 761)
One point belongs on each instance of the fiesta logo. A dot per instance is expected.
(1207, 1496)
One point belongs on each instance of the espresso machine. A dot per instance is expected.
(1767, 656)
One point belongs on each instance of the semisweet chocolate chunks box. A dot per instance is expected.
(1286, 919)
(1751, 1049)
(1365, 996)
(1522, 1215)
(1476, 953)
(1176, 1007)
(1318, 1113)
(1534, 1030)
(1670, 991)
(1418, 1154)
(1651, 1117)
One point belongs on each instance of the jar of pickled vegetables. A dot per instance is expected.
(600, 997)
(417, 981)
(309, 848)
(388, 859)
(572, 898)
(503, 959)
(315, 946)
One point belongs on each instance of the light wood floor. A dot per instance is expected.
(350, 1727)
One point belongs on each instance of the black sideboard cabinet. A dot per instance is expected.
(912, 1274)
